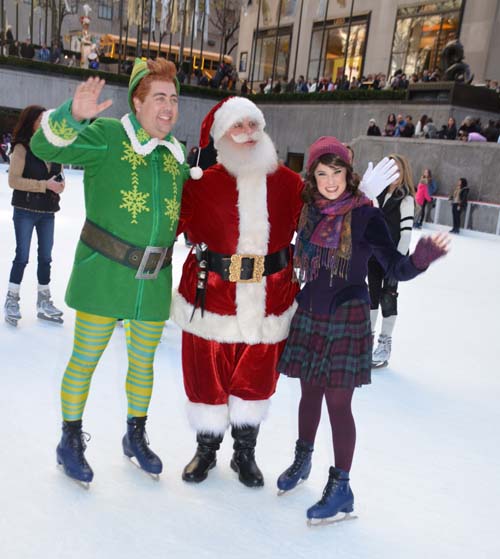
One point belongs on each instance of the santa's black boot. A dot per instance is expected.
(204, 459)
(135, 443)
(243, 460)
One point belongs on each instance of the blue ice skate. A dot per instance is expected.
(70, 452)
(135, 444)
(299, 470)
(337, 498)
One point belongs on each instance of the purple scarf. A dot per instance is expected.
(324, 235)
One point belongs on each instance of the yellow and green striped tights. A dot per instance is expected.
(92, 334)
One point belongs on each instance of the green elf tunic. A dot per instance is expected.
(133, 187)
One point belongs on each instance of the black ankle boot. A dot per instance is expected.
(135, 443)
(204, 459)
(243, 460)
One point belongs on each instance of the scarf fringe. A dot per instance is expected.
(324, 258)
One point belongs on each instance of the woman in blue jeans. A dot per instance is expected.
(35, 198)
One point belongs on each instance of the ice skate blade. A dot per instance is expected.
(83, 484)
(54, 319)
(380, 365)
(133, 460)
(313, 522)
(11, 321)
(282, 492)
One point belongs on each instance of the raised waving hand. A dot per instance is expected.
(86, 100)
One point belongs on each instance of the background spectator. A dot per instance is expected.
(458, 198)
(390, 126)
(373, 129)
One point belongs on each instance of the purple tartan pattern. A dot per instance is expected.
(330, 350)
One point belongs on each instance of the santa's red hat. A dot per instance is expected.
(219, 120)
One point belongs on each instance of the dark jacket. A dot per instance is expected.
(370, 236)
(35, 168)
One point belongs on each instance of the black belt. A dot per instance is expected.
(247, 267)
(147, 261)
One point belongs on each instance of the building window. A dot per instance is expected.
(421, 33)
(269, 43)
(288, 8)
(105, 9)
(327, 53)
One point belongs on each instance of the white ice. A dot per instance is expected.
(426, 469)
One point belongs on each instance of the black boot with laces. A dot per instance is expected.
(70, 452)
(135, 443)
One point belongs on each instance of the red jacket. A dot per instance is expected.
(422, 194)
(253, 215)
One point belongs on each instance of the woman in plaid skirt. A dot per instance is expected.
(329, 345)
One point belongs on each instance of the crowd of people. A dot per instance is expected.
(470, 129)
(245, 319)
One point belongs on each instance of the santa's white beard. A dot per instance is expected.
(248, 159)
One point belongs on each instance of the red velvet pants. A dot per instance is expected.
(213, 371)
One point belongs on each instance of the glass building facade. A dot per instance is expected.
(329, 42)
(420, 34)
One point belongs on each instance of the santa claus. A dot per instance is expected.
(236, 295)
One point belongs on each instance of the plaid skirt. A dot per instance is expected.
(330, 350)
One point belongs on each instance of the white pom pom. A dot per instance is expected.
(196, 173)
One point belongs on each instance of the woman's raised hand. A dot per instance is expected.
(85, 103)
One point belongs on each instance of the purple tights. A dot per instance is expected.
(338, 401)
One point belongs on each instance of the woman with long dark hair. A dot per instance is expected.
(329, 345)
(35, 198)
(390, 125)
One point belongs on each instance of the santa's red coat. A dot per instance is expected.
(254, 215)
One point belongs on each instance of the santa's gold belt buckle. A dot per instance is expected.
(235, 268)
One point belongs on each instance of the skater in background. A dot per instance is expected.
(398, 208)
(459, 198)
(133, 179)
(36, 187)
(329, 344)
(426, 189)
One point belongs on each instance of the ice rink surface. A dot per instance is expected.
(426, 470)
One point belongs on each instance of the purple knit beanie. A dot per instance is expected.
(324, 145)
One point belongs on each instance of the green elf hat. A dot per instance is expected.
(139, 71)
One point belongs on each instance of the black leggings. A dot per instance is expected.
(338, 401)
(382, 292)
(457, 212)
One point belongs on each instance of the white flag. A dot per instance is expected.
(164, 16)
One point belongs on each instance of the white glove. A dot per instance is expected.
(377, 178)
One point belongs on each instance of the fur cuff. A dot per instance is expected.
(247, 412)
(206, 418)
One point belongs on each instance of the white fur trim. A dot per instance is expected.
(52, 138)
(253, 239)
(145, 149)
(231, 112)
(226, 328)
(206, 418)
(247, 412)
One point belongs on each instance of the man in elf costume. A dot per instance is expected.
(134, 174)
(236, 295)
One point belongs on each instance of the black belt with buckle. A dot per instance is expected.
(247, 268)
(240, 268)
(147, 261)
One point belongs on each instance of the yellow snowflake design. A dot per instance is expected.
(170, 165)
(173, 208)
(62, 129)
(133, 200)
(133, 158)
(143, 136)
